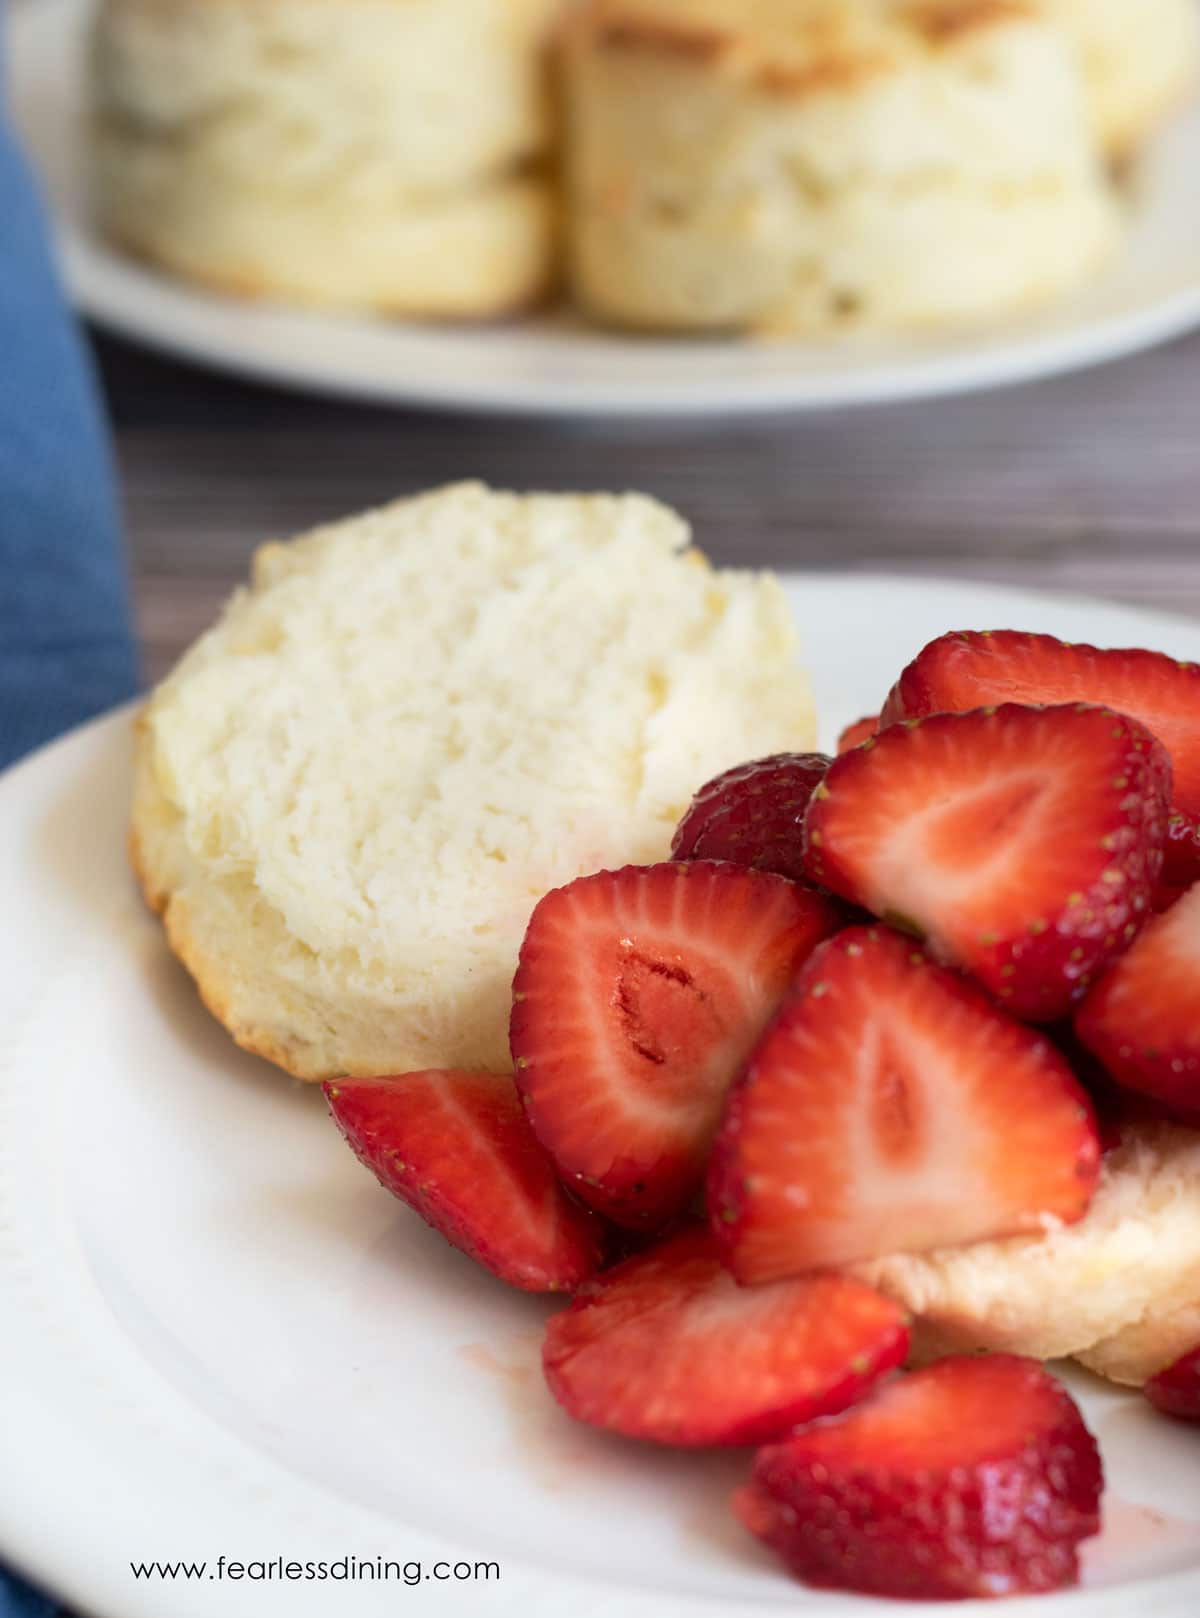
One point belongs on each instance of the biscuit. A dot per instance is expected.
(388, 155)
(353, 790)
(1119, 1291)
(1140, 59)
(812, 166)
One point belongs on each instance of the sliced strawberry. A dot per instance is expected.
(976, 1477)
(668, 1347)
(1167, 894)
(975, 670)
(891, 1108)
(1143, 1017)
(638, 996)
(754, 814)
(856, 734)
(1176, 1391)
(1181, 856)
(1114, 1108)
(1024, 843)
(458, 1148)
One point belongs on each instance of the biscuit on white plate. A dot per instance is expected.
(389, 155)
(353, 790)
(1119, 1291)
(1140, 59)
(811, 166)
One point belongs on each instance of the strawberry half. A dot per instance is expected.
(1024, 843)
(638, 996)
(754, 814)
(975, 670)
(667, 1347)
(856, 734)
(458, 1149)
(891, 1108)
(976, 1477)
(1176, 1391)
(1143, 1017)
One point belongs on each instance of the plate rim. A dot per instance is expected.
(1035, 360)
(110, 289)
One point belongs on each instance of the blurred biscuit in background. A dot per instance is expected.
(380, 154)
(812, 166)
(1140, 59)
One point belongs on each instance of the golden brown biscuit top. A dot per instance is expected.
(791, 47)
(539, 12)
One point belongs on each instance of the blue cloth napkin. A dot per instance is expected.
(66, 647)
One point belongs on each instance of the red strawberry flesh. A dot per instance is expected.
(1176, 1390)
(966, 669)
(638, 996)
(1025, 844)
(856, 734)
(667, 1347)
(892, 1108)
(974, 1478)
(1142, 1020)
(753, 815)
(1181, 855)
(458, 1149)
(1166, 895)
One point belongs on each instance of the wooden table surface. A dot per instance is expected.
(1088, 484)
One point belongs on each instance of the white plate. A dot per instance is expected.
(221, 1336)
(557, 364)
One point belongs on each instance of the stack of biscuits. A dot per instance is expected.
(389, 155)
(792, 166)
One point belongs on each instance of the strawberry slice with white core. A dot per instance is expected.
(1024, 844)
(667, 1347)
(892, 1108)
(1143, 1018)
(638, 996)
(458, 1149)
(968, 669)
